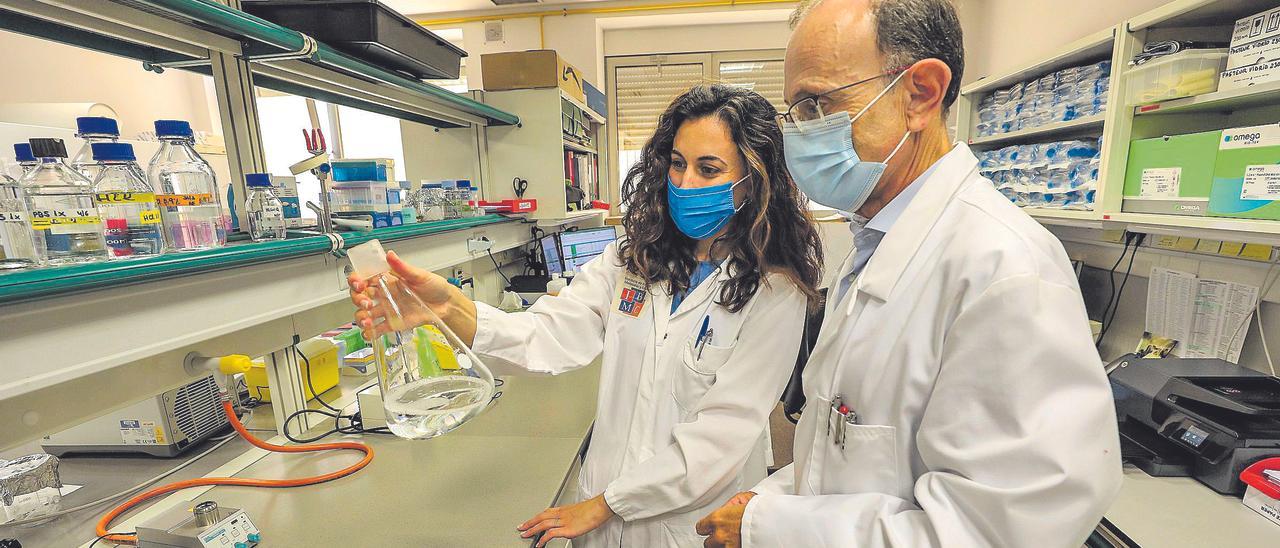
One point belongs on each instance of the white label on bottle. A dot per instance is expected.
(1261, 182)
(272, 210)
(1160, 182)
(12, 217)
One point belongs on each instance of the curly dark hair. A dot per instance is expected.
(772, 232)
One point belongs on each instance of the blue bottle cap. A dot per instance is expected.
(257, 180)
(97, 125)
(23, 152)
(173, 128)
(113, 152)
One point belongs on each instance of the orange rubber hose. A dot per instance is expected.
(105, 523)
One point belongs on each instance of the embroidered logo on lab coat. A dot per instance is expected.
(632, 295)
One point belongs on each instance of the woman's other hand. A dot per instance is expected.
(567, 521)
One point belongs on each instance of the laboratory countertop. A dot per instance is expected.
(1159, 512)
(470, 487)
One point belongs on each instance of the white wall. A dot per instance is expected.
(585, 39)
(1001, 35)
(40, 71)
(699, 38)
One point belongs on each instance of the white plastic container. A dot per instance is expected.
(1192, 72)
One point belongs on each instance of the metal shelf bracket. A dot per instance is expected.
(308, 51)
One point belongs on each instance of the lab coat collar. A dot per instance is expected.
(885, 219)
(900, 244)
(697, 298)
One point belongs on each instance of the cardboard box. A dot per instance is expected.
(1246, 174)
(534, 69)
(1171, 175)
(1254, 55)
(1256, 27)
(286, 188)
(596, 100)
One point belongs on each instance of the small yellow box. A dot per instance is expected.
(323, 356)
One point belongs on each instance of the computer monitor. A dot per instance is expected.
(580, 246)
(551, 253)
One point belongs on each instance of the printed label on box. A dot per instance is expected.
(1161, 182)
(134, 432)
(1250, 137)
(1261, 183)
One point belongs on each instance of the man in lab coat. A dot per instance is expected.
(955, 397)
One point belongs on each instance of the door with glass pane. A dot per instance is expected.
(641, 87)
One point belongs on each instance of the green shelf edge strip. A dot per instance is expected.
(44, 282)
(249, 26)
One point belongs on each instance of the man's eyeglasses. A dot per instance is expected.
(810, 108)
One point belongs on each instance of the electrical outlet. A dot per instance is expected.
(493, 31)
(478, 245)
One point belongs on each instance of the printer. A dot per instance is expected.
(1199, 417)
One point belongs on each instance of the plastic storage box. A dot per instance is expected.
(367, 30)
(1246, 174)
(323, 356)
(1192, 72)
(371, 169)
(1172, 174)
(364, 196)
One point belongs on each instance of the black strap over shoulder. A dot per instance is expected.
(793, 399)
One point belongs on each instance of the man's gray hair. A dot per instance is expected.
(911, 30)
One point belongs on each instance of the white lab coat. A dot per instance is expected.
(675, 434)
(985, 417)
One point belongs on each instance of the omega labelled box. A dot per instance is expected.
(1171, 175)
(1246, 175)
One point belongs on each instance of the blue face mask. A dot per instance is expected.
(824, 164)
(701, 212)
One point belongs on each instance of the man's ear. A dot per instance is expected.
(926, 86)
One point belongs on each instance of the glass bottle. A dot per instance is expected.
(186, 191)
(265, 212)
(127, 203)
(64, 215)
(17, 240)
(431, 382)
(93, 129)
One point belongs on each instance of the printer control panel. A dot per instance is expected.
(1203, 440)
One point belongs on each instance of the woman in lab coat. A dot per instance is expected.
(697, 312)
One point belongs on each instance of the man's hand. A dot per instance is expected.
(567, 521)
(723, 527)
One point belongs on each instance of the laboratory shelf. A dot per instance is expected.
(43, 282)
(165, 31)
(1220, 101)
(1197, 13)
(81, 340)
(1069, 218)
(577, 147)
(1091, 48)
(1217, 228)
(1079, 125)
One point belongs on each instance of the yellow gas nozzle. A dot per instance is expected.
(234, 363)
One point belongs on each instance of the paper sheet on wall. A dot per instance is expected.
(1170, 300)
(1209, 318)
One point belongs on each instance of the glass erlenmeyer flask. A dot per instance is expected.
(431, 381)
